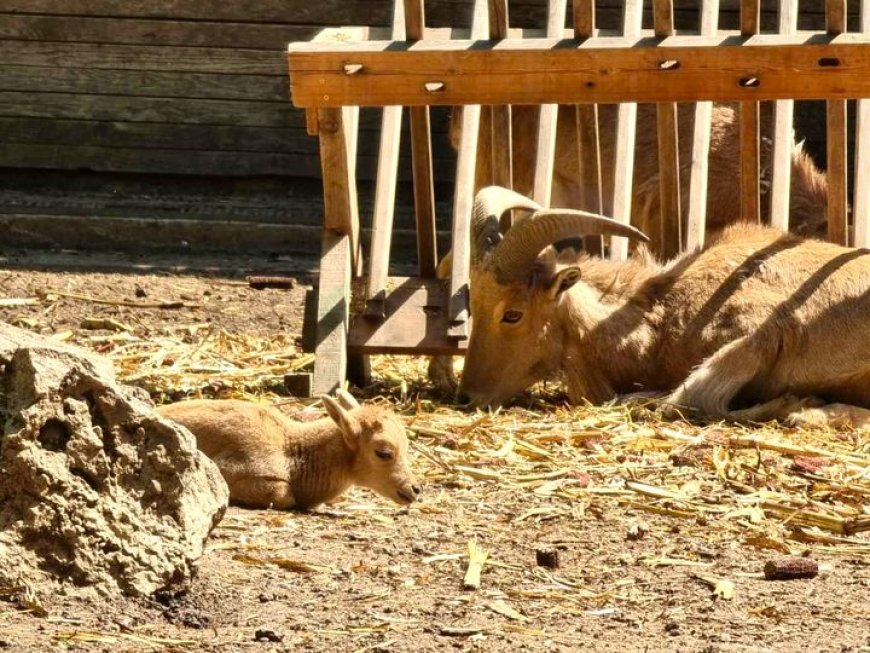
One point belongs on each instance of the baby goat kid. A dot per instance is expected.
(755, 316)
(268, 460)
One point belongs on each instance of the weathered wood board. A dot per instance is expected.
(217, 65)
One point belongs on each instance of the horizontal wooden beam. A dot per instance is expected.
(415, 321)
(804, 66)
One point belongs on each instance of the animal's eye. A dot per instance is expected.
(384, 454)
(512, 317)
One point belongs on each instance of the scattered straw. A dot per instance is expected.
(768, 487)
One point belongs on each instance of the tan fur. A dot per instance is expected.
(809, 188)
(269, 460)
(808, 197)
(755, 315)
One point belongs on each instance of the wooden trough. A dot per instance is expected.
(492, 67)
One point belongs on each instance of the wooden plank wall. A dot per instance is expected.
(199, 87)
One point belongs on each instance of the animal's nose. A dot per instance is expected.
(416, 489)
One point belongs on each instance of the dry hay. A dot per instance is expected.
(769, 487)
(491, 478)
(196, 359)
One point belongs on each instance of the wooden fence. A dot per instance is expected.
(414, 67)
(200, 86)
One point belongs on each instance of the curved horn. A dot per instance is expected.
(519, 250)
(490, 204)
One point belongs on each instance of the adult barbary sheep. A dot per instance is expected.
(268, 460)
(755, 315)
(808, 192)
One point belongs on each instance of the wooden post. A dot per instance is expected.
(588, 140)
(421, 153)
(500, 115)
(548, 120)
(626, 124)
(861, 204)
(750, 17)
(463, 199)
(341, 221)
(783, 134)
(338, 134)
(668, 240)
(835, 14)
(696, 223)
(385, 191)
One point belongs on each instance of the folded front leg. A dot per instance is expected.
(442, 377)
(712, 386)
(261, 492)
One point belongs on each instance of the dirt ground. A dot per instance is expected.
(647, 519)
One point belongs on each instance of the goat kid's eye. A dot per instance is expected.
(384, 455)
(512, 317)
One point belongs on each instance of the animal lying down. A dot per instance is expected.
(754, 317)
(269, 460)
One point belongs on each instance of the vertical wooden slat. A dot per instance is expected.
(626, 125)
(588, 139)
(750, 18)
(336, 262)
(463, 198)
(350, 124)
(861, 203)
(835, 14)
(696, 221)
(421, 153)
(584, 18)
(358, 365)
(338, 130)
(500, 116)
(783, 134)
(546, 143)
(668, 240)
(339, 186)
(385, 191)
(341, 253)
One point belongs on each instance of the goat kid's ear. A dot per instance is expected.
(563, 280)
(348, 424)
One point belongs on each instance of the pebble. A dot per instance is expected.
(547, 557)
(267, 635)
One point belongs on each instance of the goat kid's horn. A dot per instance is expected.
(516, 254)
(490, 204)
(347, 400)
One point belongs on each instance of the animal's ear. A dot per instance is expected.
(564, 279)
(349, 425)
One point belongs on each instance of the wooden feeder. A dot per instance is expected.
(492, 67)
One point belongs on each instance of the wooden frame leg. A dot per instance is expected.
(341, 255)
(333, 309)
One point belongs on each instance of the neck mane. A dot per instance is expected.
(610, 310)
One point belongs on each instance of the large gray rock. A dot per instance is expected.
(95, 489)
